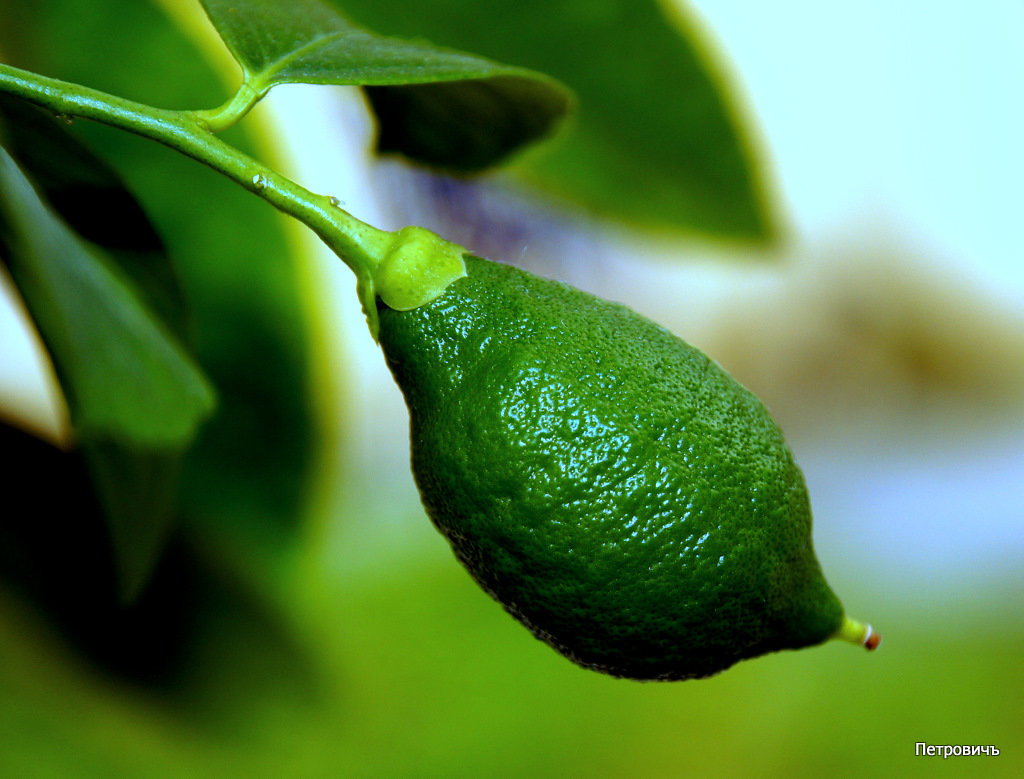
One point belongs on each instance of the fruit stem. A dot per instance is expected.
(857, 633)
(360, 246)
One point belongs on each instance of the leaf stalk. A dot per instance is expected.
(233, 111)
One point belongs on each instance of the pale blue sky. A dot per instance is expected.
(911, 111)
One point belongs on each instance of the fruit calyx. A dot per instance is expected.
(416, 268)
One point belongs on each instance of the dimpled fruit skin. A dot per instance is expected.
(611, 486)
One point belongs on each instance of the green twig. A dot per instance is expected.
(359, 245)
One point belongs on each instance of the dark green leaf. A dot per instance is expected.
(243, 482)
(245, 479)
(126, 378)
(135, 396)
(137, 486)
(138, 490)
(198, 634)
(659, 138)
(66, 565)
(478, 109)
(464, 126)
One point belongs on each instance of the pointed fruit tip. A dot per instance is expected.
(857, 633)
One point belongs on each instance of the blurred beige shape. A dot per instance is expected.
(29, 395)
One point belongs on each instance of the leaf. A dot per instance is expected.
(125, 376)
(658, 140)
(245, 481)
(463, 126)
(138, 490)
(135, 396)
(195, 635)
(479, 110)
(66, 564)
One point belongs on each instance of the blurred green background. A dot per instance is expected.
(306, 620)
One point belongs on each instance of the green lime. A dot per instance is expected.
(610, 485)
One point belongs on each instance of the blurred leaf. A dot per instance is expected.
(136, 397)
(658, 139)
(467, 112)
(65, 564)
(464, 126)
(244, 479)
(199, 637)
(138, 489)
(126, 378)
(213, 653)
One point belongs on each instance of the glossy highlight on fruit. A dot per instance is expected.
(610, 485)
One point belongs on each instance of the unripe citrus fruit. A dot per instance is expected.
(610, 485)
